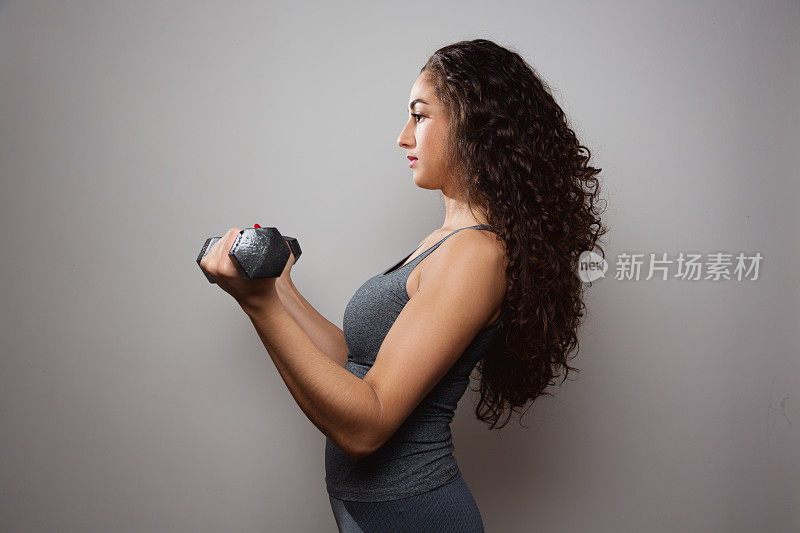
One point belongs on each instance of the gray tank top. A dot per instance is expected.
(419, 456)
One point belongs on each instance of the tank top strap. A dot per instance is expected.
(424, 254)
(402, 264)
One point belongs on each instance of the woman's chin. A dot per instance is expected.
(422, 183)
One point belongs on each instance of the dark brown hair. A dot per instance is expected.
(512, 152)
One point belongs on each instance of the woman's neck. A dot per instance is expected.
(458, 216)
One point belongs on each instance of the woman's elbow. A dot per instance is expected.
(359, 451)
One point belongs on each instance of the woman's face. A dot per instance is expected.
(424, 136)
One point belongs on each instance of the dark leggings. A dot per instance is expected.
(449, 508)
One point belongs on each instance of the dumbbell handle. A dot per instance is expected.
(250, 252)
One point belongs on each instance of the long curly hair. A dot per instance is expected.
(512, 152)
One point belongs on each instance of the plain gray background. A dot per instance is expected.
(136, 396)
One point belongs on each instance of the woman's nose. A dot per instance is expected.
(405, 140)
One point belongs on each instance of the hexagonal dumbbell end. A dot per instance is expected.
(294, 246)
(259, 253)
(203, 251)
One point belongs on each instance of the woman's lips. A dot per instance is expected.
(412, 160)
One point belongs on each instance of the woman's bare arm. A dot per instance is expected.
(463, 286)
(326, 335)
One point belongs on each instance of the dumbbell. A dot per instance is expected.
(257, 252)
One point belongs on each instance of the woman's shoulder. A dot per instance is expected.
(478, 260)
(488, 241)
(481, 248)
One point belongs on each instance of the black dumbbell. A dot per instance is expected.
(257, 252)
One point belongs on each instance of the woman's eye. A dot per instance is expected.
(416, 116)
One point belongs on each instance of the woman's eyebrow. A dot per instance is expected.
(415, 102)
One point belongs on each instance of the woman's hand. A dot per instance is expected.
(287, 270)
(249, 293)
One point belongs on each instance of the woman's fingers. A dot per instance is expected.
(217, 262)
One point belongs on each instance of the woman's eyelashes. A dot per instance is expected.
(416, 117)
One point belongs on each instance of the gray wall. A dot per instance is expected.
(137, 397)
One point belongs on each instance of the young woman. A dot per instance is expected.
(495, 288)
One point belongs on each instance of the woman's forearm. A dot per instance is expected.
(342, 406)
(326, 335)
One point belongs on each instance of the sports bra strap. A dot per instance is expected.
(432, 248)
(402, 263)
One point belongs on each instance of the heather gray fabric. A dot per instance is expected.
(419, 456)
(446, 509)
